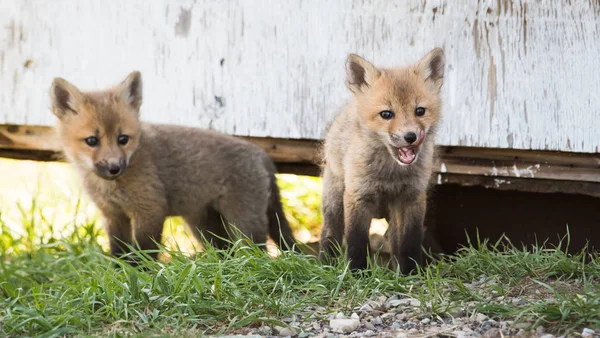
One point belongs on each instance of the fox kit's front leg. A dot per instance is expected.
(149, 208)
(358, 212)
(332, 231)
(406, 231)
(118, 229)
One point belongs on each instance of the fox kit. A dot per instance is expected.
(137, 174)
(378, 158)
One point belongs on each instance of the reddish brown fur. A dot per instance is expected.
(363, 177)
(206, 177)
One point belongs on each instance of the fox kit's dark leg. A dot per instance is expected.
(279, 227)
(406, 231)
(332, 231)
(209, 227)
(118, 229)
(249, 218)
(148, 230)
(358, 213)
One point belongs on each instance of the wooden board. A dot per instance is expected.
(520, 74)
(535, 171)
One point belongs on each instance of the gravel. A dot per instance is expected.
(398, 316)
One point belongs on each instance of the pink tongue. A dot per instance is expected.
(406, 155)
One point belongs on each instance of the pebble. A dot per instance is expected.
(285, 331)
(587, 333)
(397, 325)
(547, 336)
(404, 301)
(402, 316)
(366, 308)
(493, 333)
(354, 316)
(425, 321)
(388, 315)
(479, 317)
(340, 315)
(368, 325)
(265, 330)
(344, 325)
(369, 333)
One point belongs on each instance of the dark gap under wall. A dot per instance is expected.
(521, 216)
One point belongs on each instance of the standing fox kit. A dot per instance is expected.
(378, 158)
(137, 174)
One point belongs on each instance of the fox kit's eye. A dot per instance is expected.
(91, 141)
(420, 111)
(386, 115)
(123, 139)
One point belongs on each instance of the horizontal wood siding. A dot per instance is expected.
(520, 74)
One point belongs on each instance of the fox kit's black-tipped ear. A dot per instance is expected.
(431, 68)
(130, 90)
(65, 97)
(360, 73)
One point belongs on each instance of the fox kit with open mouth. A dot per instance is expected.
(378, 158)
(137, 173)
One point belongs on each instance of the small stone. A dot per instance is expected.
(479, 317)
(402, 316)
(316, 326)
(340, 315)
(387, 315)
(409, 325)
(368, 325)
(369, 333)
(402, 335)
(305, 334)
(587, 333)
(493, 333)
(397, 326)
(547, 335)
(265, 330)
(366, 308)
(394, 303)
(354, 316)
(425, 321)
(376, 321)
(413, 331)
(344, 325)
(456, 312)
(403, 302)
(285, 331)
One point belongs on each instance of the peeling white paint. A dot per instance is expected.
(498, 182)
(519, 74)
(443, 168)
(439, 179)
(516, 171)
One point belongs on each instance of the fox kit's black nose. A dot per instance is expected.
(410, 137)
(114, 169)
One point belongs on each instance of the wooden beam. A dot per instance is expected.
(539, 171)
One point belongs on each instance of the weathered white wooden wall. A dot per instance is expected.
(520, 74)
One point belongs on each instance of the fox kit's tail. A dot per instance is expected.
(279, 228)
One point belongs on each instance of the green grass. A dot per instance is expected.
(55, 278)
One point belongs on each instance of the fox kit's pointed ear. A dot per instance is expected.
(65, 97)
(360, 73)
(431, 68)
(130, 90)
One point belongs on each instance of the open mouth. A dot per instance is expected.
(407, 155)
